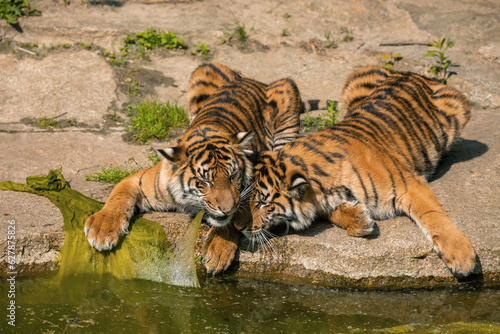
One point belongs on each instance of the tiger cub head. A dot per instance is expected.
(281, 194)
(211, 172)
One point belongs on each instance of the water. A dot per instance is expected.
(108, 305)
(98, 301)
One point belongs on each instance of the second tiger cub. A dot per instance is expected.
(372, 165)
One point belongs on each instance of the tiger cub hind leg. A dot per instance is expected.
(359, 85)
(282, 114)
(355, 219)
(452, 246)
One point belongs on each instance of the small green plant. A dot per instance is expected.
(201, 48)
(47, 122)
(154, 158)
(150, 39)
(286, 16)
(115, 174)
(12, 10)
(118, 62)
(112, 174)
(141, 53)
(348, 35)
(145, 41)
(71, 122)
(285, 32)
(441, 69)
(329, 44)
(239, 32)
(389, 60)
(29, 45)
(134, 89)
(155, 119)
(330, 117)
(309, 120)
(85, 46)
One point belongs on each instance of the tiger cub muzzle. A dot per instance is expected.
(222, 202)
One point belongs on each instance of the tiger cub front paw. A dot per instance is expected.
(456, 251)
(105, 228)
(219, 248)
(354, 218)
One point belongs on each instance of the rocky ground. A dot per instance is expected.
(60, 77)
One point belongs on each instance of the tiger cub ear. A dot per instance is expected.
(242, 141)
(173, 154)
(297, 181)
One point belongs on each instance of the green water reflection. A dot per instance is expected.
(108, 305)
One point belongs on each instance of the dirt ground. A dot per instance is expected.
(47, 70)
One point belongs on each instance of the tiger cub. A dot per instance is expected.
(209, 167)
(372, 165)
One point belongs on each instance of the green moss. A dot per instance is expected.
(142, 254)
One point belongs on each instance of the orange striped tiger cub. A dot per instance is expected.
(209, 167)
(372, 165)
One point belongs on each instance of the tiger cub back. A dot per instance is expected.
(417, 117)
(231, 99)
(204, 82)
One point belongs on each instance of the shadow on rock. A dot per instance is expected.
(110, 3)
(463, 150)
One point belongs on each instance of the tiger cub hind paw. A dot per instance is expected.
(362, 228)
(104, 229)
(219, 248)
(457, 253)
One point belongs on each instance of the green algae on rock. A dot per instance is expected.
(142, 254)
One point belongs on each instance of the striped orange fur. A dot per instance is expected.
(371, 165)
(233, 117)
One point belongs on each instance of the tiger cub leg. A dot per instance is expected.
(354, 218)
(454, 248)
(219, 248)
(204, 81)
(105, 228)
(282, 114)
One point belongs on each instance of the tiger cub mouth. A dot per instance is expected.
(219, 220)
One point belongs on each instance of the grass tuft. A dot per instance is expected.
(115, 174)
(154, 120)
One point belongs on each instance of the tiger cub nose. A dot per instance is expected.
(224, 210)
(239, 228)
